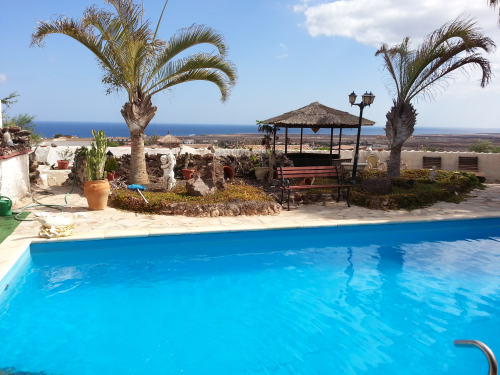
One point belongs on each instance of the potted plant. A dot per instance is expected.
(65, 156)
(97, 188)
(187, 173)
(260, 172)
(110, 168)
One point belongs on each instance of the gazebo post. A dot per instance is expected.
(301, 133)
(340, 140)
(331, 144)
(286, 140)
(274, 142)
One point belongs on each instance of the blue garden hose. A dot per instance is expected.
(55, 206)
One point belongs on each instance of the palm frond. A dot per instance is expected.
(452, 48)
(194, 62)
(183, 40)
(199, 67)
(80, 33)
(493, 4)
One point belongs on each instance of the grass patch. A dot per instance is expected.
(449, 187)
(131, 201)
(8, 224)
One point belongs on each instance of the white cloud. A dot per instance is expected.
(372, 22)
(285, 55)
(3, 77)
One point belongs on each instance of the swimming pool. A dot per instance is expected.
(378, 299)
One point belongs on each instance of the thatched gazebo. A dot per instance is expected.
(315, 116)
(170, 141)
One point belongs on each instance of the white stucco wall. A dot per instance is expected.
(53, 177)
(14, 177)
(487, 163)
(49, 154)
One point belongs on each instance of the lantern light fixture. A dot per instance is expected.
(368, 99)
(352, 98)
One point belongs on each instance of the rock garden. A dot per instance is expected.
(212, 186)
(202, 185)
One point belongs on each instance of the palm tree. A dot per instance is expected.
(421, 73)
(136, 61)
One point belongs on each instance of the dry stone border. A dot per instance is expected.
(251, 208)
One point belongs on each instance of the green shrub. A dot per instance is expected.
(111, 165)
(449, 187)
(484, 146)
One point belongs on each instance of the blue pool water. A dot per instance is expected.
(372, 300)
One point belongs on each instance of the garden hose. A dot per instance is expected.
(55, 206)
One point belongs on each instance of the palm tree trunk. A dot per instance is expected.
(394, 167)
(401, 120)
(137, 114)
(138, 173)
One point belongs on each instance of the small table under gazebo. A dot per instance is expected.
(315, 116)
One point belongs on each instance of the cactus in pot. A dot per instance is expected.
(97, 188)
(96, 156)
(187, 173)
(187, 158)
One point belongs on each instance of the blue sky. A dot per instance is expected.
(288, 54)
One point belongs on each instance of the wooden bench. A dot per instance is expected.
(287, 173)
(428, 162)
(470, 164)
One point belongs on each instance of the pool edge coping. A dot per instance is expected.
(10, 266)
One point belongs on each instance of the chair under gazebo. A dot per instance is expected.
(315, 116)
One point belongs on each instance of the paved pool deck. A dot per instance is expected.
(113, 223)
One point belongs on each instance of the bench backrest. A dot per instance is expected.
(468, 163)
(303, 172)
(429, 162)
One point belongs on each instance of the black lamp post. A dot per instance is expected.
(367, 101)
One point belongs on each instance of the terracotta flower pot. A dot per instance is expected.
(307, 181)
(113, 175)
(187, 173)
(228, 171)
(62, 164)
(97, 193)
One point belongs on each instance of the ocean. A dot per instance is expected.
(116, 129)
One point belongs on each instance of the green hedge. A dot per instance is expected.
(449, 187)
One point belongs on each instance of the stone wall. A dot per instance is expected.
(78, 168)
(21, 139)
(488, 163)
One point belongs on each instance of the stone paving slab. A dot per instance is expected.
(113, 223)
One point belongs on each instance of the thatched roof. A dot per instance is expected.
(169, 139)
(316, 115)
